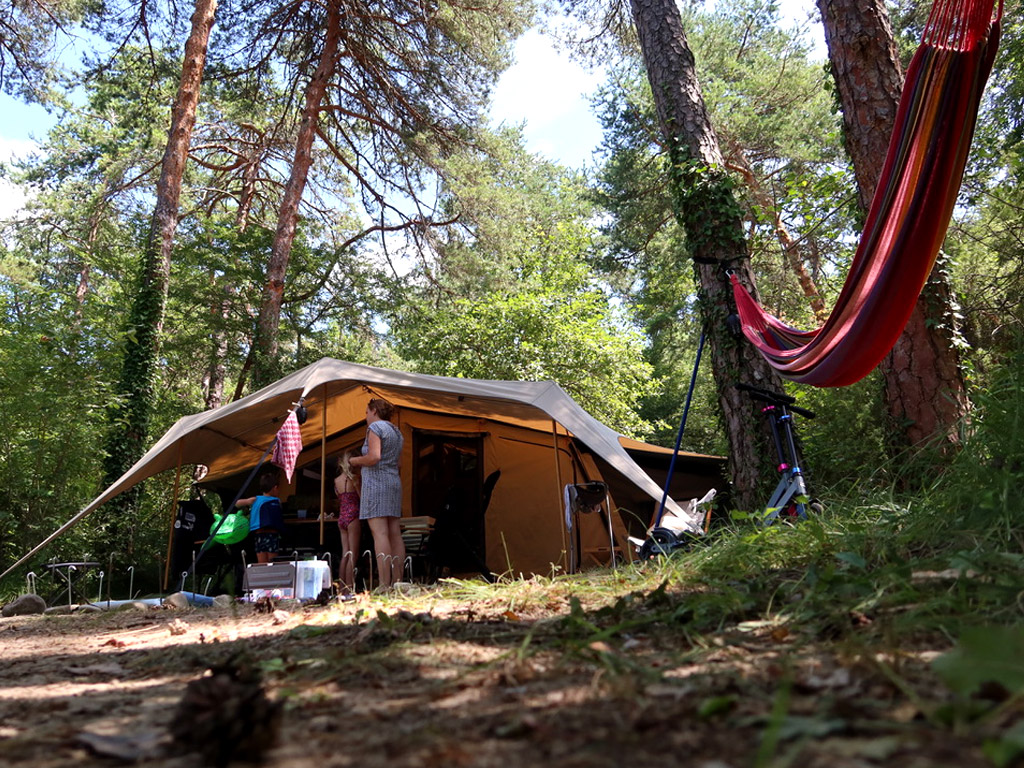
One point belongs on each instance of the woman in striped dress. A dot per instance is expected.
(380, 501)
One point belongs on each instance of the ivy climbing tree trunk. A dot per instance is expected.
(130, 415)
(266, 364)
(925, 394)
(711, 218)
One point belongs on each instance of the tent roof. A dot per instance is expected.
(641, 447)
(235, 437)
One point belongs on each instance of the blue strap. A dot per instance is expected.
(682, 426)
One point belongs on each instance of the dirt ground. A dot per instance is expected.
(438, 682)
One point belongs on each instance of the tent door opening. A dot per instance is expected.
(448, 487)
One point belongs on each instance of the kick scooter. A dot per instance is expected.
(789, 501)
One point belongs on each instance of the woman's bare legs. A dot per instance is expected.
(397, 549)
(387, 541)
(382, 545)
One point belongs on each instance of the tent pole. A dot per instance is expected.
(611, 534)
(323, 463)
(559, 493)
(170, 528)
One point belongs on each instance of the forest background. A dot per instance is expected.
(401, 228)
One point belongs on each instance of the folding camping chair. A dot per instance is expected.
(586, 498)
(270, 580)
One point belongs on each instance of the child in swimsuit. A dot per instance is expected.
(346, 486)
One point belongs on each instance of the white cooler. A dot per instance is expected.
(311, 578)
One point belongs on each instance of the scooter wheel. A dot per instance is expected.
(660, 541)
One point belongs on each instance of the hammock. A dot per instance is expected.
(910, 211)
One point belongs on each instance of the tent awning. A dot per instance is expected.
(234, 437)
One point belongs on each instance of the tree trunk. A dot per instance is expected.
(265, 367)
(215, 377)
(712, 220)
(216, 369)
(250, 173)
(925, 393)
(129, 418)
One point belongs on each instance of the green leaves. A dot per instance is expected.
(982, 656)
(514, 297)
(852, 559)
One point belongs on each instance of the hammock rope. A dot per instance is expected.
(909, 213)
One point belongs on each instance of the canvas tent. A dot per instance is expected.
(524, 440)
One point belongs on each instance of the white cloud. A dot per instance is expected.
(550, 94)
(543, 85)
(12, 197)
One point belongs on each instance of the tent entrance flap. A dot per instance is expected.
(448, 486)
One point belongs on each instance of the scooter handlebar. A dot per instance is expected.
(775, 398)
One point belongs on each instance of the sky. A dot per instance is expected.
(551, 94)
(543, 90)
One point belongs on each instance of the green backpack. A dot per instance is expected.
(234, 528)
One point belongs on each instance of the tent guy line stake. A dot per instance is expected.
(369, 572)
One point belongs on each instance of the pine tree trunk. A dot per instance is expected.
(925, 393)
(216, 370)
(711, 218)
(266, 365)
(129, 418)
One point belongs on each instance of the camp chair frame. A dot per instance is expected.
(584, 498)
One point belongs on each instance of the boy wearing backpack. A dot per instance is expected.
(266, 519)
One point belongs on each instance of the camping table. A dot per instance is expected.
(303, 533)
(71, 573)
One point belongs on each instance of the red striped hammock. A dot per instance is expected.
(910, 211)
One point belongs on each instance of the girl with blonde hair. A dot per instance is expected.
(346, 487)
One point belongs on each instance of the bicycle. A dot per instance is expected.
(789, 501)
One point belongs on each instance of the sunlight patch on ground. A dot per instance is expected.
(63, 690)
